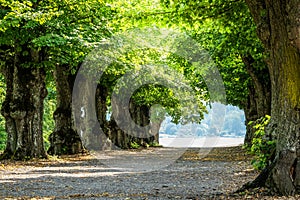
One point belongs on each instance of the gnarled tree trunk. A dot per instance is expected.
(64, 139)
(279, 29)
(23, 108)
(140, 115)
(124, 138)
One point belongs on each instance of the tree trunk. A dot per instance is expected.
(124, 138)
(86, 111)
(64, 139)
(259, 99)
(23, 108)
(251, 114)
(279, 29)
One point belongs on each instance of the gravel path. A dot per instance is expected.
(85, 177)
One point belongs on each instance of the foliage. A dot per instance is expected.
(154, 144)
(134, 145)
(66, 31)
(228, 38)
(133, 14)
(262, 146)
(2, 136)
(49, 108)
(224, 28)
(87, 26)
(172, 79)
(60, 32)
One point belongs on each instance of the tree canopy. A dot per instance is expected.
(254, 45)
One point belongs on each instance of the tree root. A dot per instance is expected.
(259, 181)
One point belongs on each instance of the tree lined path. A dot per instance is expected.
(255, 45)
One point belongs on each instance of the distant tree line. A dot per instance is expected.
(233, 125)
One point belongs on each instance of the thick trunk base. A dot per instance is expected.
(65, 142)
(130, 137)
(23, 112)
(64, 139)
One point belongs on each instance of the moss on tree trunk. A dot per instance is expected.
(279, 29)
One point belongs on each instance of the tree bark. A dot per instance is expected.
(251, 114)
(64, 139)
(88, 112)
(124, 138)
(278, 27)
(259, 99)
(23, 107)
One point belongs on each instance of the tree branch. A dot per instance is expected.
(261, 19)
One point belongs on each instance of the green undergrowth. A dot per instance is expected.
(262, 146)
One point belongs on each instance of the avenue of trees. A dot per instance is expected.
(254, 43)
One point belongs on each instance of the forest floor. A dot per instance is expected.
(194, 174)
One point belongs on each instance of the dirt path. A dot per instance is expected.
(193, 175)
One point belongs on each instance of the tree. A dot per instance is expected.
(239, 56)
(120, 137)
(279, 30)
(137, 65)
(87, 26)
(27, 57)
(24, 75)
(227, 31)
